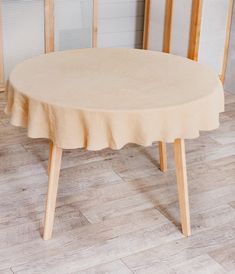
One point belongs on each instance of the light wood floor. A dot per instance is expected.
(116, 212)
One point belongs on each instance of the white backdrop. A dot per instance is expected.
(23, 31)
(213, 33)
(120, 23)
(73, 24)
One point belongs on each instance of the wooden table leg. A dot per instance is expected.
(49, 158)
(55, 163)
(162, 156)
(181, 174)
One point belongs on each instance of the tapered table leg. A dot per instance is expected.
(181, 174)
(54, 171)
(162, 156)
(49, 158)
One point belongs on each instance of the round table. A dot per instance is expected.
(99, 98)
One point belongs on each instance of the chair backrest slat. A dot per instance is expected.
(49, 28)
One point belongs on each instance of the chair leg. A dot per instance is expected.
(162, 156)
(54, 171)
(181, 174)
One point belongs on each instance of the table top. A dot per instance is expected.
(98, 98)
(113, 79)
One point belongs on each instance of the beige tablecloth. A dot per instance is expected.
(98, 98)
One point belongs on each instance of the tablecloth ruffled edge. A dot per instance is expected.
(95, 130)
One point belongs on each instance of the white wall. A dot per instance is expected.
(120, 23)
(156, 25)
(213, 33)
(73, 24)
(181, 21)
(23, 31)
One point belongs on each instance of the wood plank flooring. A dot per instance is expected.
(116, 212)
